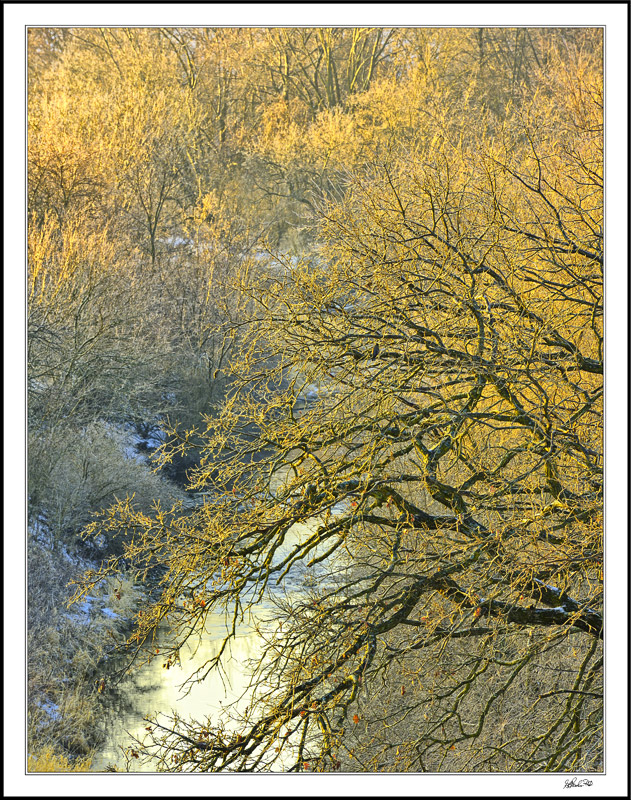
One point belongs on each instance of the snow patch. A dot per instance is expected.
(137, 445)
(52, 709)
(40, 531)
(177, 241)
(155, 440)
(131, 453)
(83, 608)
(74, 559)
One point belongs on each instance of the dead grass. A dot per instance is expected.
(66, 647)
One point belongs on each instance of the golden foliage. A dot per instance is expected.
(47, 760)
(418, 391)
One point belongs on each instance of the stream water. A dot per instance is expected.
(151, 688)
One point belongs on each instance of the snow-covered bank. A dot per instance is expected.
(69, 645)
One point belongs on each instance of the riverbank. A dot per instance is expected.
(68, 649)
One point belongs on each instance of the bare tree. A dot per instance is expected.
(445, 349)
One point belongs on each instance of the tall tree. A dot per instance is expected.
(445, 346)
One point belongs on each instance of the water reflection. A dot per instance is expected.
(153, 689)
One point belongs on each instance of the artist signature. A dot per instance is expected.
(573, 783)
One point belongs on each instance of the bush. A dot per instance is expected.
(74, 474)
(47, 760)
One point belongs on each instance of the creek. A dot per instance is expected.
(153, 689)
